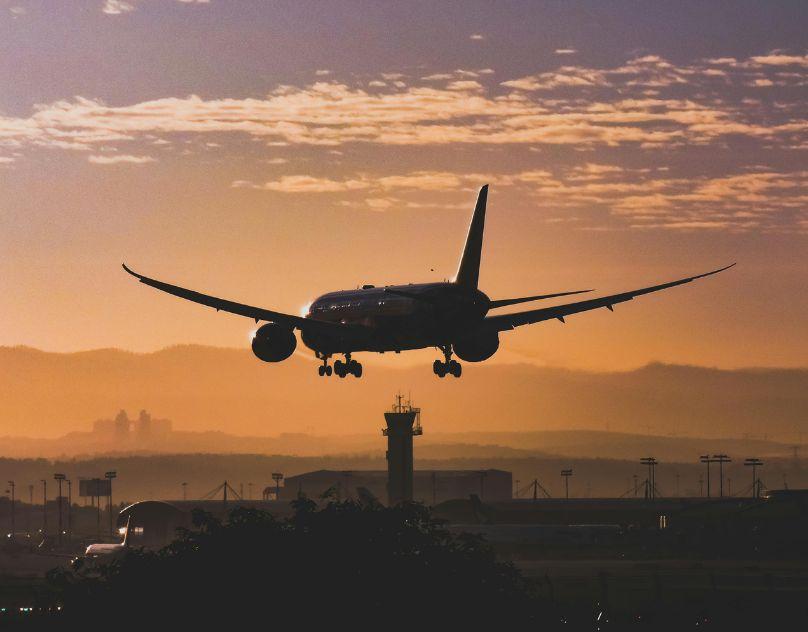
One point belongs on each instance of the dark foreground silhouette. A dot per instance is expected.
(348, 564)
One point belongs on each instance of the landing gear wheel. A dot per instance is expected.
(321, 370)
(340, 368)
(455, 368)
(328, 370)
(439, 368)
(355, 368)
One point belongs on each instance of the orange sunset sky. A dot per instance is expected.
(268, 152)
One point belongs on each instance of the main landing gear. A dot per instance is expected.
(449, 366)
(349, 367)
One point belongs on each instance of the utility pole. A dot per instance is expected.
(249, 491)
(59, 478)
(721, 459)
(30, 508)
(44, 507)
(705, 458)
(482, 474)
(516, 488)
(97, 490)
(277, 477)
(109, 476)
(184, 491)
(69, 510)
(677, 484)
(651, 462)
(701, 486)
(754, 463)
(12, 486)
(566, 477)
(636, 488)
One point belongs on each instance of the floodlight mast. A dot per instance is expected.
(59, 478)
(109, 476)
(705, 458)
(721, 459)
(754, 463)
(651, 462)
(566, 476)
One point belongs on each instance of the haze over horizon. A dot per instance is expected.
(208, 389)
(269, 156)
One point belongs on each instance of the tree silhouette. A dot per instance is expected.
(346, 563)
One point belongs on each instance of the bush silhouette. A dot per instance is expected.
(347, 564)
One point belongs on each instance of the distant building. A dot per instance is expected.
(122, 430)
(429, 486)
(122, 424)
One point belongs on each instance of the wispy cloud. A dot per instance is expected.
(634, 198)
(117, 159)
(117, 7)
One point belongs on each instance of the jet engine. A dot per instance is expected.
(477, 348)
(273, 342)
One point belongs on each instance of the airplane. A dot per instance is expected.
(452, 316)
(109, 551)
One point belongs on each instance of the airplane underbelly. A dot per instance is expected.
(384, 332)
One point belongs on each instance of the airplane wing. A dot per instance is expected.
(256, 313)
(525, 299)
(509, 321)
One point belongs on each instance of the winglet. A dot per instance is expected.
(468, 272)
(731, 265)
(130, 271)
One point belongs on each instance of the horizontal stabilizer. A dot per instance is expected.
(525, 299)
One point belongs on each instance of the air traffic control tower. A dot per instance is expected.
(403, 423)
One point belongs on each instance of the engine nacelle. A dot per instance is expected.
(273, 342)
(477, 348)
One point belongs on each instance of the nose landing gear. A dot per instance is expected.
(449, 366)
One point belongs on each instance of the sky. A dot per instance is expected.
(268, 152)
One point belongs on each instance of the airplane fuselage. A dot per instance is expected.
(396, 317)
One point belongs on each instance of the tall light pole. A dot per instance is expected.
(482, 474)
(97, 493)
(109, 476)
(277, 477)
(705, 458)
(754, 463)
(11, 486)
(651, 462)
(59, 478)
(721, 459)
(69, 510)
(565, 474)
(184, 491)
(44, 507)
(30, 509)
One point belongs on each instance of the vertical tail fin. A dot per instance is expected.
(126, 532)
(468, 272)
